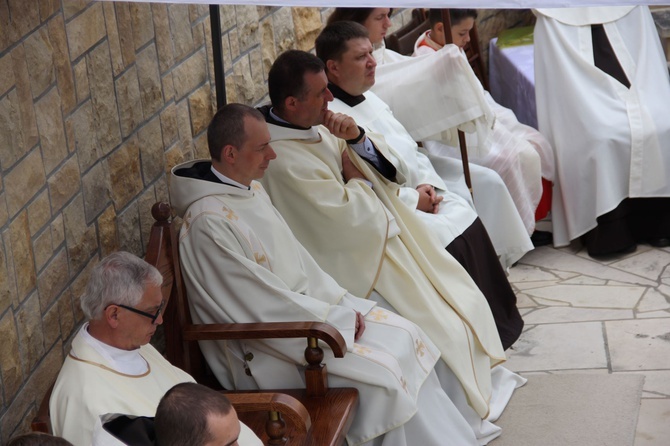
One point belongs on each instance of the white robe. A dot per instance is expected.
(88, 387)
(456, 213)
(346, 228)
(241, 263)
(519, 153)
(610, 142)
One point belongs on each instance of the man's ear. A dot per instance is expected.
(332, 68)
(228, 154)
(111, 315)
(439, 28)
(290, 103)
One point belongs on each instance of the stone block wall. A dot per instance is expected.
(98, 100)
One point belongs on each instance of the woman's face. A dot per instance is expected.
(460, 33)
(377, 23)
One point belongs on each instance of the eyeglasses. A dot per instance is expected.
(153, 317)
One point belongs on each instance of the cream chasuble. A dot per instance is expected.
(337, 221)
(611, 142)
(501, 219)
(433, 96)
(242, 263)
(88, 387)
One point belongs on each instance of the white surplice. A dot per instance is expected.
(369, 239)
(506, 230)
(242, 263)
(88, 386)
(611, 142)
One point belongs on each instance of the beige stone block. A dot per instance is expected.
(85, 136)
(5, 292)
(227, 17)
(188, 75)
(4, 215)
(39, 54)
(161, 188)
(142, 21)
(22, 252)
(39, 213)
(43, 249)
(150, 142)
(66, 314)
(268, 52)
(72, 7)
(129, 101)
(52, 280)
(96, 188)
(25, 17)
(145, 202)
(24, 181)
(113, 38)
(284, 30)
(79, 286)
(31, 337)
(51, 326)
(61, 60)
(308, 25)
(199, 36)
(197, 11)
(64, 184)
(52, 134)
(125, 30)
(9, 352)
(168, 87)
(169, 125)
(231, 89)
(233, 38)
(85, 30)
(242, 77)
(57, 231)
(48, 8)
(28, 124)
(163, 36)
(80, 238)
(149, 77)
(22, 408)
(260, 89)
(5, 34)
(107, 233)
(175, 155)
(264, 11)
(103, 98)
(184, 124)
(9, 281)
(11, 137)
(200, 147)
(81, 81)
(6, 73)
(124, 173)
(201, 108)
(130, 238)
(180, 27)
(247, 26)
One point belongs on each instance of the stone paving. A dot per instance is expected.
(599, 316)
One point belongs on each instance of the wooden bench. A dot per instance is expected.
(331, 411)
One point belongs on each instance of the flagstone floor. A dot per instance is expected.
(599, 316)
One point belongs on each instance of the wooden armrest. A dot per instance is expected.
(268, 330)
(290, 408)
(42, 421)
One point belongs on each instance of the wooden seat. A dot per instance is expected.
(402, 41)
(331, 411)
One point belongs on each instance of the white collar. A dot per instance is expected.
(129, 362)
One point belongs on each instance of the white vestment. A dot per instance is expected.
(369, 239)
(242, 263)
(456, 212)
(611, 142)
(519, 153)
(87, 387)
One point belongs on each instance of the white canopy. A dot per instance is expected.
(492, 4)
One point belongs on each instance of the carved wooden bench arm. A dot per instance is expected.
(289, 407)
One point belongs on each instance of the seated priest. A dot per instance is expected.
(111, 367)
(515, 148)
(242, 263)
(346, 52)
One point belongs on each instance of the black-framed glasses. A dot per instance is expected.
(153, 317)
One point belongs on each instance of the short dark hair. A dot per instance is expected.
(456, 16)
(181, 416)
(358, 15)
(38, 439)
(332, 42)
(287, 75)
(227, 127)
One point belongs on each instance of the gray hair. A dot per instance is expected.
(120, 278)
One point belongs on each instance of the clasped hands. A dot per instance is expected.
(429, 201)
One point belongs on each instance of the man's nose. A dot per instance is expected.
(329, 95)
